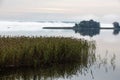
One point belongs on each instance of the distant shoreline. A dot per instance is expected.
(79, 28)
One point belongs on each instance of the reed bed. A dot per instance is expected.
(43, 51)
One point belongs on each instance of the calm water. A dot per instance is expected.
(105, 67)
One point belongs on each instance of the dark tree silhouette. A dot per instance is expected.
(87, 28)
(116, 25)
(116, 28)
(87, 24)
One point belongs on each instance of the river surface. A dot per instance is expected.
(105, 67)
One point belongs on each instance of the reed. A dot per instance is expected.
(43, 51)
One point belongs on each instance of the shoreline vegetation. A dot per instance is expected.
(23, 51)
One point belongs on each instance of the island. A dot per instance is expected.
(116, 28)
(116, 25)
(87, 28)
(87, 24)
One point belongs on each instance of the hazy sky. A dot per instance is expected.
(105, 10)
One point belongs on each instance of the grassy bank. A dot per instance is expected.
(43, 51)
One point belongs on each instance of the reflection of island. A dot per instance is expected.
(87, 28)
(88, 32)
(116, 31)
(116, 28)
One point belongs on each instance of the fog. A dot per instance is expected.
(69, 10)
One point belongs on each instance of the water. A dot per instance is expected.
(105, 67)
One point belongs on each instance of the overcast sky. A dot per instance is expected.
(104, 10)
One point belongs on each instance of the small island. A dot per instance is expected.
(116, 25)
(116, 28)
(87, 24)
(87, 28)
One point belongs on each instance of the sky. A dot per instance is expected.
(60, 10)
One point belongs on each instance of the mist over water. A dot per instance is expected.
(36, 26)
(30, 26)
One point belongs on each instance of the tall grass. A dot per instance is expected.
(43, 51)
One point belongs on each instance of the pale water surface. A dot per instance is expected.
(106, 66)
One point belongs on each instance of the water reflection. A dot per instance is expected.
(93, 32)
(106, 62)
(116, 31)
(88, 32)
(51, 72)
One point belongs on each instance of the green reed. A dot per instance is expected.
(43, 51)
